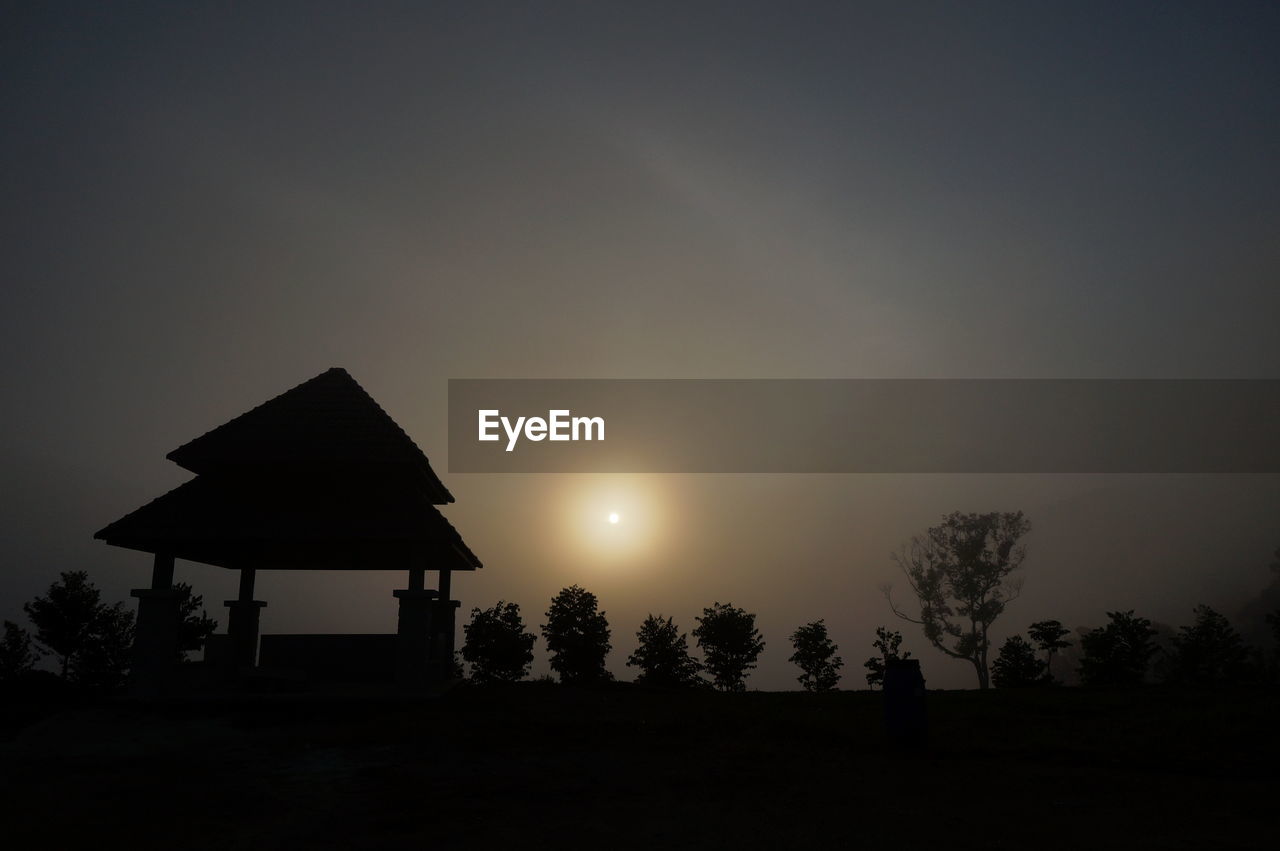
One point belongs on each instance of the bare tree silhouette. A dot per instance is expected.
(958, 572)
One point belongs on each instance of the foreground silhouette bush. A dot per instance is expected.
(496, 646)
(195, 626)
(1210, 652)
(1273, 622)
(1049, 636)
(815, 654)
(957, 571)
(103, 663)
(663, 655)
(577, 637)
(90, 639)
(64, 618)
(730, 643)
(17, 655)
(887, 642)
(1017, 665)
(1118, 653)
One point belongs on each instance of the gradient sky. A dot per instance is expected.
(205, 206)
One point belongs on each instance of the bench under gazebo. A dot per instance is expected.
(318, 478)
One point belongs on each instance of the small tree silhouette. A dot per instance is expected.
(17, 655)
(887, 642)
(1119, 653)
(497, 646)
(1048, 636)
(103, 661)
(194, 624)
(1017, 665)
(577, 637)
(1273, 667)
(663, 655)
(816, 656)
(731, 644)
(65, 618)
(1210, 652)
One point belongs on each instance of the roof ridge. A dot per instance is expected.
(399, 429)
(378, 438)
(102, 534)
(169, 456)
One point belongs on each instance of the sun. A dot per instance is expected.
(612, 521)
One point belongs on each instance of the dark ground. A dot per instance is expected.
(537, 765)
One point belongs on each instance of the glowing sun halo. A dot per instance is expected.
(614, 518)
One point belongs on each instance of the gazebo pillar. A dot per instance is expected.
(155, 637)
(242, 622)
(443, 628)
(413, 629)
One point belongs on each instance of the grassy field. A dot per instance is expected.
(541, 766)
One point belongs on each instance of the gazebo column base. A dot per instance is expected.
(155, 640)
(442, 639)
(242, 630)
(413, 651)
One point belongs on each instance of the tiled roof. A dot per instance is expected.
(317, 478)
(316, 522)
(329, 421)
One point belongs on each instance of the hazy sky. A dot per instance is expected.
(203, 207)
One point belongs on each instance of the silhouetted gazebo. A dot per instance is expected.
(318, 478)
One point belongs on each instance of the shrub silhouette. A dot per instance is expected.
(90, 639)
(577, 637)
(663, 655)
(1119, 653)
(64, 619)
(1017, 665)
(887, 642)
(1210, 652)
(195, 626)
(17, 655)
(103, 662)
(815, 654)
(731, 644)
(1049, 637)
(1272, 667)
(497, 647)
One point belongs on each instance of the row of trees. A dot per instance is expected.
(1124, 652)
(1127, 651)
(499, 648)
(959, 572)
(960, 575)
(89, 640)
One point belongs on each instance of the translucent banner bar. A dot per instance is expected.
(864, 426)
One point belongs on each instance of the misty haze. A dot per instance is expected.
(255, 595)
